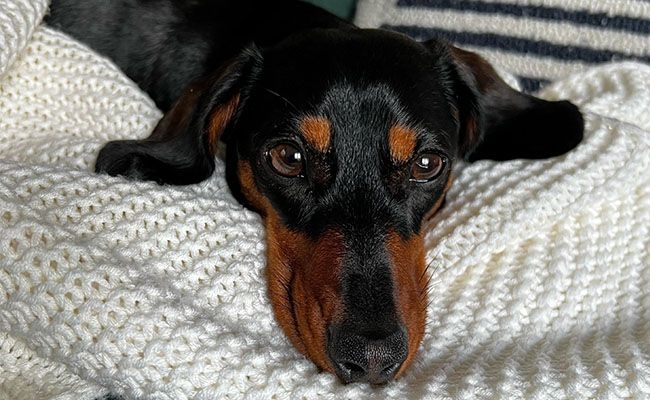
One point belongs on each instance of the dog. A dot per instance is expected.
(343, 139)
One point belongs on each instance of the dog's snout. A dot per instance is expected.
(373, 357)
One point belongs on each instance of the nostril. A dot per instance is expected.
(391, 370)
(351, 372)
(353, 368)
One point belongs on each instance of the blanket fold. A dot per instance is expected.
(540, 269)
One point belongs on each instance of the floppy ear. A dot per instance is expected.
(182, 147)
(500, 123)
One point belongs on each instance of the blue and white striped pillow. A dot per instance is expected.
(537, 40)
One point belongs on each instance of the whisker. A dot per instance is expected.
(424, 272)
(429, 285)
(282, 97)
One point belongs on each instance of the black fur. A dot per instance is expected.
(279, 61)
(164, 45)
(110, 397)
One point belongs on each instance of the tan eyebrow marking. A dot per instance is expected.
(401, 142)
(317, 131)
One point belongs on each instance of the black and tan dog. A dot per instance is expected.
(342, 138)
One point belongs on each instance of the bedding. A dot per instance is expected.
(539, 269)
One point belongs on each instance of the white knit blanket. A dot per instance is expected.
(541, 278)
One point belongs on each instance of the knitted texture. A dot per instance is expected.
(539, 269)
(18, 18)
(538, 40)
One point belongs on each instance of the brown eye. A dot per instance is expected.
(286, 160)
(426, 167)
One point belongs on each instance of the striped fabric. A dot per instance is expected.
(538, 40)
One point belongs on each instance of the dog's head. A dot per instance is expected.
(344, 142)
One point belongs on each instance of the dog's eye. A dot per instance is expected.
(426, 167)
(286, 160)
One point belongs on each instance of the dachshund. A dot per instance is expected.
(343, 139)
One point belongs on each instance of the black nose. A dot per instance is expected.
(373, 356)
